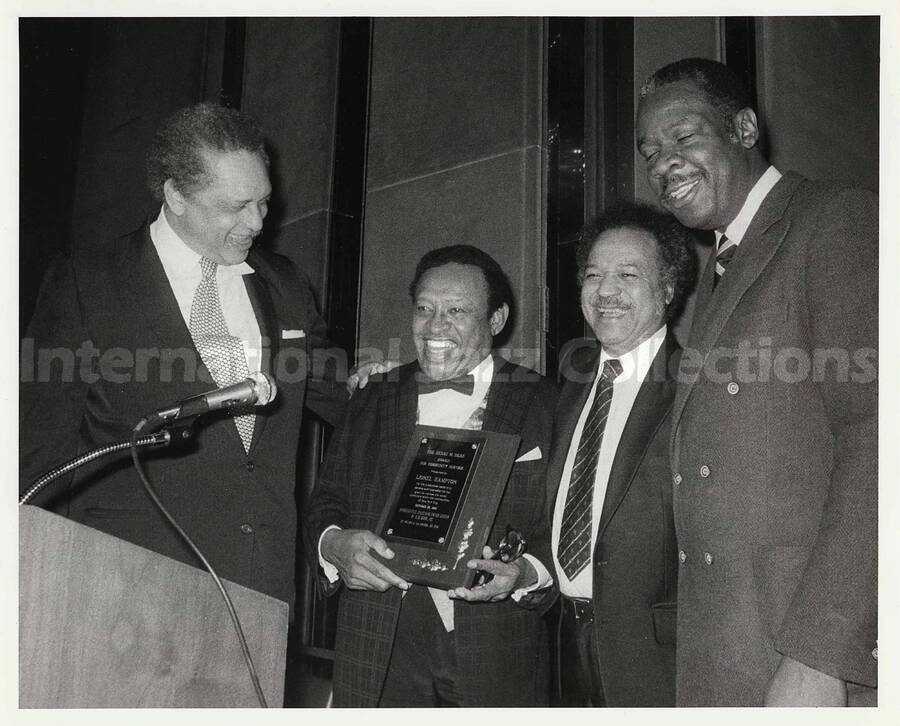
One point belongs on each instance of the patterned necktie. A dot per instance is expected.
(223, 354)
(575, 529)
(726, 251)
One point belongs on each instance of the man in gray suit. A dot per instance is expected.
(774, 425)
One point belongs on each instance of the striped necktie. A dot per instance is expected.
(222, 353)
(575, 529)
(725, 252)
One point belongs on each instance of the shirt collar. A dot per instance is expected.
(738, 227)
(484, 374)
(177, 258)
(636, 362)
(484, 371)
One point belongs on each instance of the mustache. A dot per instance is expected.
(611, 301)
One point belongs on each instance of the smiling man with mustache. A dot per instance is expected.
(613, 535)
(774, 469)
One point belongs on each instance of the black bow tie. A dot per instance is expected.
(462, 384)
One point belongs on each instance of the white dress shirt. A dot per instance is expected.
(182, 266)
(735, 231)
(451, 408)
(635, 365)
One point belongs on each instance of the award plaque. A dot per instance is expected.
(443, 503)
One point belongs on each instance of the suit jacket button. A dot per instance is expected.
(704, 471)
(676, 479)
(250, 466)
(875, 653)
(246, 529)
(682, 556)
(708, 558)
(733, 388)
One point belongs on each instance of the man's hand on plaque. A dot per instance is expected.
(507, 577)
(350, 551)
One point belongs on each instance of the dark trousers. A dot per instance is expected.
(422, 671)
(578, 663)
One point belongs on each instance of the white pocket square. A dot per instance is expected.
(292, 334)
(532, 455)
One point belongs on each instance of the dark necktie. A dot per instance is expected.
(462, 384)
(726, 251)
(575, 529)
(222, 353)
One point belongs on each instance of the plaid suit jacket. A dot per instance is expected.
(501, 648)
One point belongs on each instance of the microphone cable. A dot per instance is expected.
(248, 660)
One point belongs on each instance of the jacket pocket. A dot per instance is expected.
(664, 616)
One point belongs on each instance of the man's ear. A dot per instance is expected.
(745, 127)
(498, 319)
(670, 292)
(174, 199)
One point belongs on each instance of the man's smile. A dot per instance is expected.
(678, 189)
(438, 347)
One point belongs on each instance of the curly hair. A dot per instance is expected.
(175, 152)
(499, 290)
(722, 87)
(674, 246)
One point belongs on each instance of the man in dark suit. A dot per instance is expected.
(182, 306)
(613, 535)
(774, 443)
(402, 645)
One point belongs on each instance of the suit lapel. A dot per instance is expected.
(652, 404)
(701, 306)
(760, 243)
(571, 402)
(506, 406)
(145, 282)
(267, 319)
(396, 419)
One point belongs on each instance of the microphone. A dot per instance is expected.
(256, 390)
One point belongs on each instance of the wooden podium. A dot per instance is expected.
(104, 623)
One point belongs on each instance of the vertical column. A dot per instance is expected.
(455, 156)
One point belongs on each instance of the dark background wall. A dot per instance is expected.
(454, 120)
(393, 136)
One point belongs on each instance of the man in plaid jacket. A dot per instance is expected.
(408, 645)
